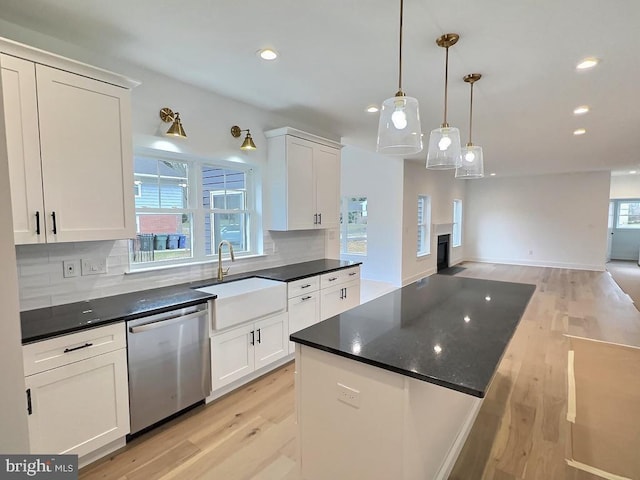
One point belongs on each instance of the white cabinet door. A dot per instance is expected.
(271, 340)
(79, 407)
(304, 311)
(300, 184)
(86, 156)
(326, 163)
(340, 298)
(232, 355)
(23, 149)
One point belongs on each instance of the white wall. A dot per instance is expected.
(379, 178)
(547, 220)
(207, 119)
(13, 419)
(443, 189)
(625, 186)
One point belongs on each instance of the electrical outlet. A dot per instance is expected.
(94, 266)
(348, 395)
(70, 268)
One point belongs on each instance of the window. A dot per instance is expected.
(224, 196)
(185, 208)
(457, 223)
(628, 214)
(353, 225)
(424, 225)
(164, 214)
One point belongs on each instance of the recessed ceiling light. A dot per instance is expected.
(437, 349)
(372, 109)
(633, 171)
(268, 54)
(581, 110)
(579, 131)
(587, 63)
(492, 174)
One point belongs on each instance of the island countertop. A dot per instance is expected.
(450, 331)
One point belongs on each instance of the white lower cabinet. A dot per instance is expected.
(304, 311)
(81, 406)
(239, 351)
(339, 298)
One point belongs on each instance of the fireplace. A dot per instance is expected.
(443, 252)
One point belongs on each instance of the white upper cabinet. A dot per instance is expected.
(23, 148)
(304, 180)
(68, 139)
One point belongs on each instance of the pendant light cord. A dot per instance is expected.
(446, 83)
(470, 114)
(400, 53)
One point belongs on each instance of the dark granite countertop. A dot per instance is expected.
(43, 323)
(450, 331)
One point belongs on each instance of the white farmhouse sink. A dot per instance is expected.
(245, 300)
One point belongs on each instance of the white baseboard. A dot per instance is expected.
(252, 376)
(418, 276)
(533, 263)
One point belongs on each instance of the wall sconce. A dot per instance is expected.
(175, 130)
(248, 141)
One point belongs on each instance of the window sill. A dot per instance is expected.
(189, 264)
(423, 255)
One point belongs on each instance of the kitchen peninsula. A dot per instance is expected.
(391, 388)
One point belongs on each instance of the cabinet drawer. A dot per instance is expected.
(339, 276)
(59, 351)
(300, 287)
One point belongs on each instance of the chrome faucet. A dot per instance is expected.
(221, 272)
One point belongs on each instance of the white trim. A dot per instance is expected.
(248, 378)
(43, 57)
(595, 471)
(571, 388)
(191, 264)
(529, 263)
(418, 276)
(303, 135)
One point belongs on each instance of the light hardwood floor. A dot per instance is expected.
(520, 433)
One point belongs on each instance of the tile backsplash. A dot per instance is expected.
(41, 281)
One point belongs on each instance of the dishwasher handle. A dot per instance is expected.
(166, 322)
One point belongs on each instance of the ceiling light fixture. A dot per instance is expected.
(444, 142)
(175, 130)
(492, 174)
(587, 63)
(372, 109)
(471, 155)
(399, 131)
(581, 110)
(248, 144)
(579, 131)
(633, 172)
(268, 54)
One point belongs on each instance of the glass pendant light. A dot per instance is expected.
(399, 131)
(472, 162)
(444, 142)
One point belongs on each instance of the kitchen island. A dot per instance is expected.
(391, 388)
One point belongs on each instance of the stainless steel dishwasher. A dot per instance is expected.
(169, 364)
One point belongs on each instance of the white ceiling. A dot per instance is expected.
(339, 56)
